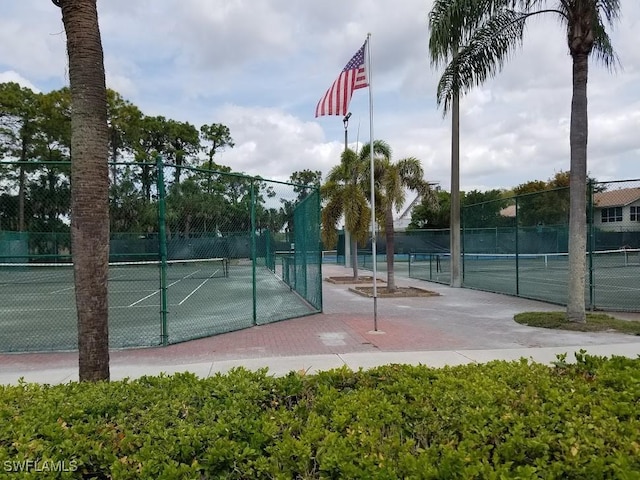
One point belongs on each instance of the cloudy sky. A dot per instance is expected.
(260, 66)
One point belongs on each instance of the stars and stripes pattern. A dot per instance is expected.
(353, 76)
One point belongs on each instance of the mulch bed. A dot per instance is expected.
(400, 292)
(348, 280)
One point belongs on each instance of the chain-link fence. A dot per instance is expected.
(192, 253)
(522, 247)
(406, 261)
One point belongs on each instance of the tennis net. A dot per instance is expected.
(30, 273)
(485, 262)
(549, 261)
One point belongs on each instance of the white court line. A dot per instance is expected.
(197, 288)
(144, 298)
(158, 291)
(61, 290)
(71, 288)
(152, 294)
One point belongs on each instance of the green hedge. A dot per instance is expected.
(492, 421)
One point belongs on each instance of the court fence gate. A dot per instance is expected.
(193, 253)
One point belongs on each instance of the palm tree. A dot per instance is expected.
(476, 37)
(392, 180)
(444, 42)
(90, 184)
(345, 196)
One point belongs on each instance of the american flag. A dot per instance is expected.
(353, 76)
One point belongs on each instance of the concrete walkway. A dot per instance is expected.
(456, 327)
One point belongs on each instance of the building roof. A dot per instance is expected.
(616, 198)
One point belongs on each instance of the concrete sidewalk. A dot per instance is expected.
(456, 327)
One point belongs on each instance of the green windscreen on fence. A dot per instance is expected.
(193, 253)
(522, 249)
(519, 246)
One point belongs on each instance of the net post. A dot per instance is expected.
(162, 239)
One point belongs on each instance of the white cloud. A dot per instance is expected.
(15, 77)
(260, 67)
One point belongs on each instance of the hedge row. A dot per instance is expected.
(498, 420)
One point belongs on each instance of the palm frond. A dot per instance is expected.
(336, 175)
(603, 50)
(343, 172)
(610, 9)
(451, 23)
(329, 189)
(602, 47)
(411, 170)
(485, 54)
(331, 214)
(356, 213)
(529, 5)
(381, 149)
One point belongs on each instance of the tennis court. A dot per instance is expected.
(613, 276)
(204, 297)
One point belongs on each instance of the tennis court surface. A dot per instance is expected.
(204, 297)
(613, 276)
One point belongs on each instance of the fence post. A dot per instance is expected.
(301, 246)
(267, 250)
(318, 208)
(517, 253)
(162, 239)
(253, 251)
(462, 240)
(591, 243)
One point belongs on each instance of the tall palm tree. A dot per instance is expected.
(90, 184)
(392, 180)
(345, 197)
(476, 37)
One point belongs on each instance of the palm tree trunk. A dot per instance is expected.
(354, 257)
(390, 234)
(90, 185)
(456, 278)
(578, 191)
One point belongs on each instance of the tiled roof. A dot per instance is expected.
(616, 198)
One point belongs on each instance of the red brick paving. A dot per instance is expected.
(313, 335)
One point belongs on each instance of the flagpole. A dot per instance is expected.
(373, 198)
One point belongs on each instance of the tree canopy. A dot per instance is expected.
(203, 196)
